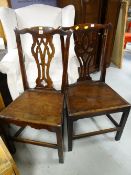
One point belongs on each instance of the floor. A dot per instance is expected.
(97, 155)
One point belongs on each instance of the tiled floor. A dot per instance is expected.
(98, 155)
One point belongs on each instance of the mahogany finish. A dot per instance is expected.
(42, 107)
(89, 98)
(97, 11)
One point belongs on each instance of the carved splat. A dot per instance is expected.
(85, 48)
(43, 51)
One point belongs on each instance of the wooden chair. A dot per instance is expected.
(41, 107)
(89, 98)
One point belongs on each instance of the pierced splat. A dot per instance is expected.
(85, 48)
(43, 51)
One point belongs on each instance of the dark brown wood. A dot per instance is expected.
(122, 123)
(19, 132)
(70, 133)
(86, 11)
(86, 52)
(104, 55)
(43, 51)
(112, 120)
(34, 142)
(9, 3)
(86, 37)
(47, 111)
(92, 11)
(21, 61)
(88, 98)
(99, 97)
(78, 8)
(97, 11)
(65, 54)
(60, 144)
(95, 133)
(41, 107)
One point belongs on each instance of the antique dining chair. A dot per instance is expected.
(40, 107)
(89, 98)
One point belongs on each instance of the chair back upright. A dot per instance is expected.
(43, 51)
(86, 37)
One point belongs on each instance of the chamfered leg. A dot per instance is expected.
(122, 124)
(70, 134)
(60, 144)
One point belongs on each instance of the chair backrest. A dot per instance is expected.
(86, 37)
(43, 50)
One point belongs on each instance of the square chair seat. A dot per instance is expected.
(89, 98)
(35, 107)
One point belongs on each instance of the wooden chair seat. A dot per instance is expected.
(86, 98)
(27, 108)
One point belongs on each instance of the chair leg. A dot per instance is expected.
(60, 144)
(122, 124)
(70, 134)
(64, 114)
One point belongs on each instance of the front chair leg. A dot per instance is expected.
(60, 144)
(70, 134)
(122, 124)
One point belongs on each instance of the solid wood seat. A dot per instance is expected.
(86, 98)
(41, 107)
(45, 112)
(89, 98)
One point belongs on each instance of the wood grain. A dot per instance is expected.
(91, 98)
(43, 106)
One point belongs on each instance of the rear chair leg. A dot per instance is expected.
(122, 124)
(60, 144)
(70, 134)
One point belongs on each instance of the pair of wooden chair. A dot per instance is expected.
(43, 106)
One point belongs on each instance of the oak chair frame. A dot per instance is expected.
(41, 33)
(80, 33)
